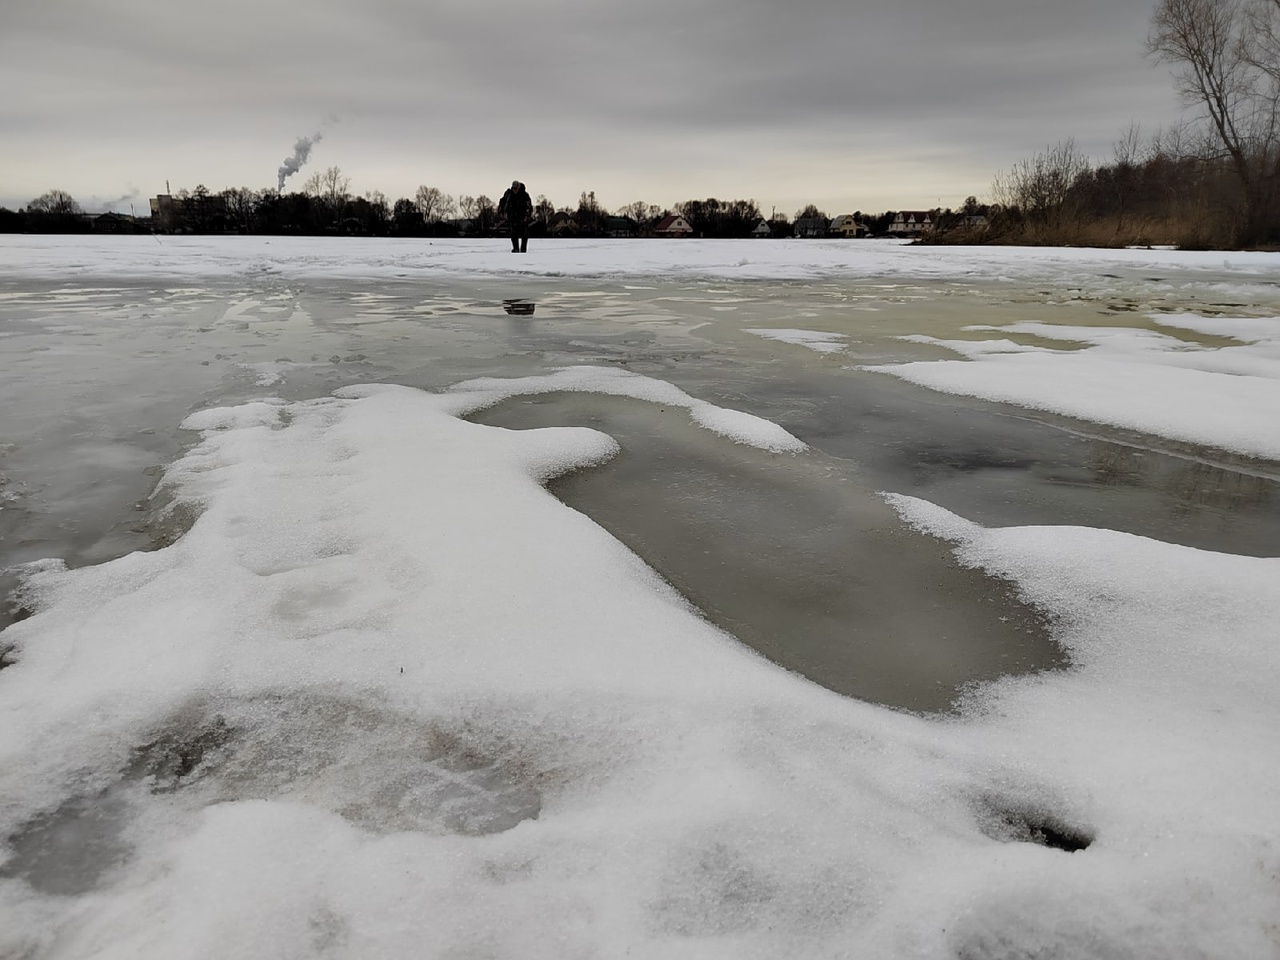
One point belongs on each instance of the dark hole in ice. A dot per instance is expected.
(1010, 823)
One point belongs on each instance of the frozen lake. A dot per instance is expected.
(900, 473)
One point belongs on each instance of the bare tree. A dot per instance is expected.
(543, 210)
(330, 187)
(55, 203)
(486, 212)
(641, 212)
(405, 211)
(467, 207)
(240, 203)
(336, 187)
(590, 214)
(433, 204)
(1125, 153)
(1041, 187)
(1226, 55)
(379, 207)
(1263, 51)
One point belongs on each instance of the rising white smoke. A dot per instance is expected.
(106, 206)
(291, 165)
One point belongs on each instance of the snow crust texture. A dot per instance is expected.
(387, 698)
(1224, 396)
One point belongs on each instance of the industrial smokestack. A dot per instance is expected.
(291, 165)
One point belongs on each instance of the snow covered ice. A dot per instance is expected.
(377, 693)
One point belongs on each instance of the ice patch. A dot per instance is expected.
(813, 339)
(268, 374)
(1245, 329)
(473, 395)
(971, 348)
(1223, 397)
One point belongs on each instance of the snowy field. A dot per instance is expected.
(385, 696)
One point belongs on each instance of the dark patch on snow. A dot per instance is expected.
(178, 758)
(169, 520)
(68, 851)
(1011, 822)
(380, 769)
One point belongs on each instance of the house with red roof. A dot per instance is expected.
(672, 225)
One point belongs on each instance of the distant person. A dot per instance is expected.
(516, 207)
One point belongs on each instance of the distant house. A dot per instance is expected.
(811, 227)
(116, 223)
(562, 224)
(619, 227)
(761, 229)
(673, 225)
(908, 222)
(846, 225)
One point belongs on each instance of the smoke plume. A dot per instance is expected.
(106, 206)
(291, 165)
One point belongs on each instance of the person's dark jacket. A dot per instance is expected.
(515, 205)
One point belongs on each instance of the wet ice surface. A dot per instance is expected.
(796, 557)
(276, 782)
(101, 375)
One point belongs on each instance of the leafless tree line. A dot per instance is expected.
(1212, 180)
(1226, 58)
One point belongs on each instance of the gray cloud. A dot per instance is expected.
(849, 103)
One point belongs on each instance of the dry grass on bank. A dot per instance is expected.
(1183, 232)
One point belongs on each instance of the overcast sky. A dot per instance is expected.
(849, 104)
